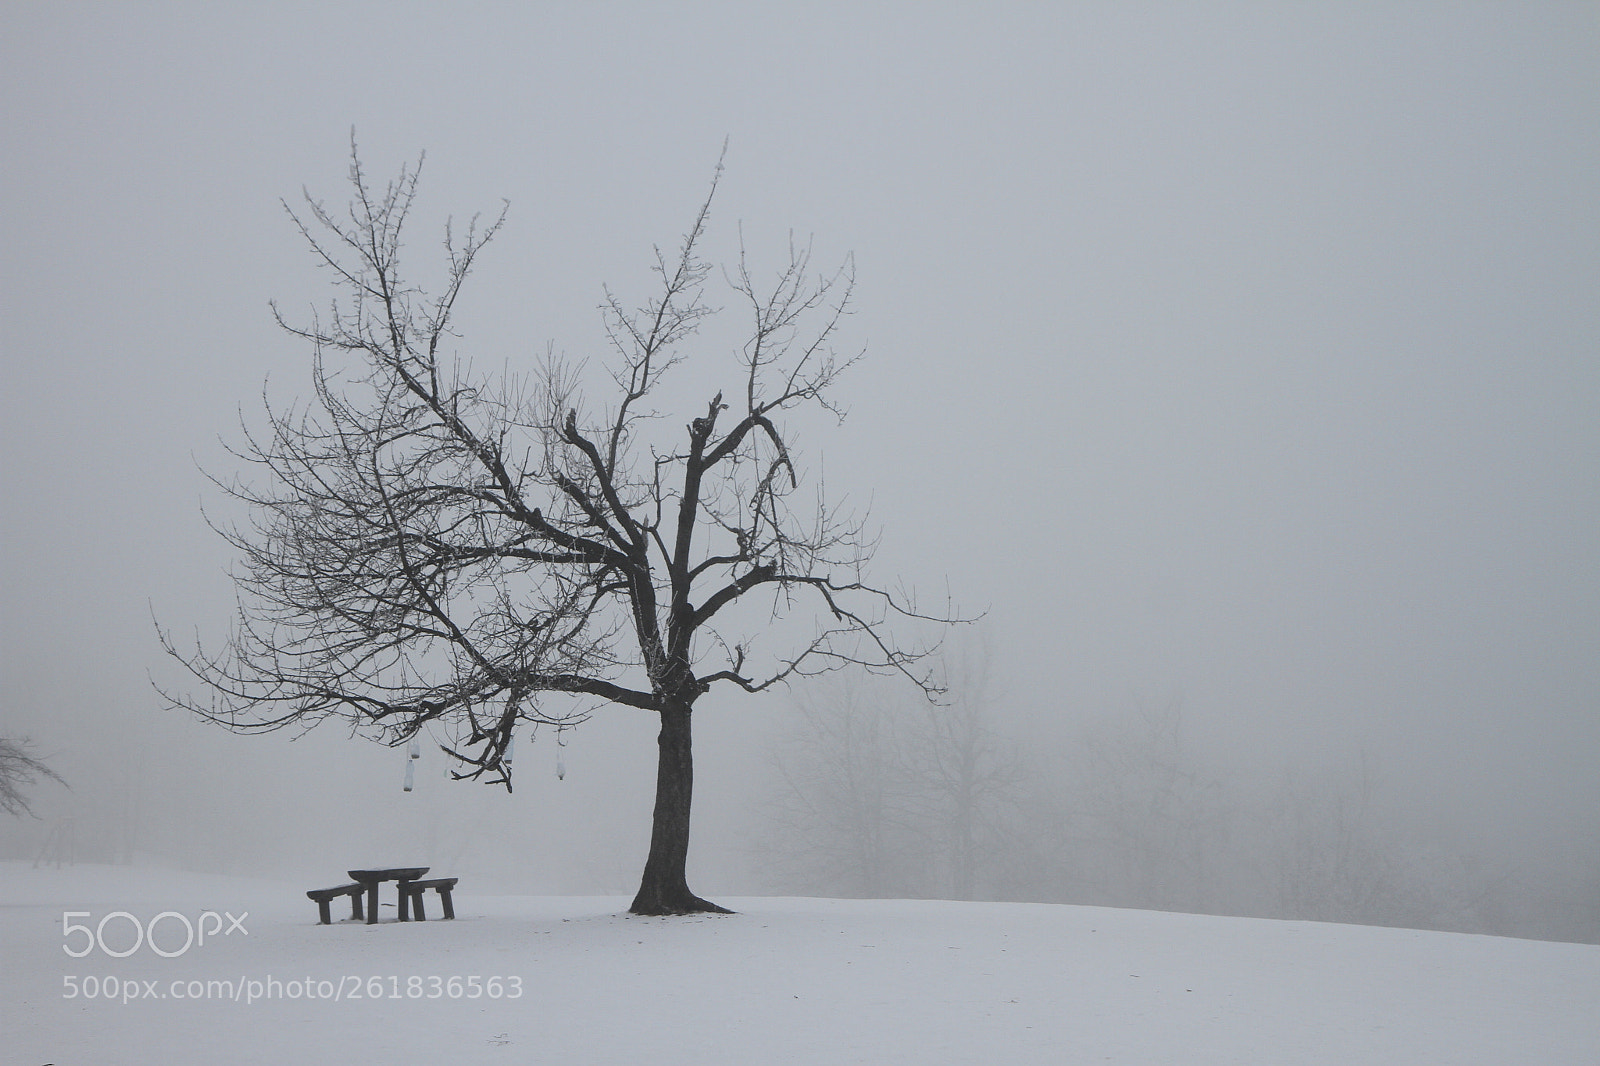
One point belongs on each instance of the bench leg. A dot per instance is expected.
(444, 898)
(421, 914)
(324, 918)
(372, 903)
(355, 906)
(405, 903)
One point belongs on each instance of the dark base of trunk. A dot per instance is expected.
(664, 888)
(658, 904)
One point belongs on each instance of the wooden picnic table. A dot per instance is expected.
(373, 878)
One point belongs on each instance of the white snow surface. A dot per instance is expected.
(784, 980)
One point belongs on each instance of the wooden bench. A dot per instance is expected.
(324, 895)
(411, 897)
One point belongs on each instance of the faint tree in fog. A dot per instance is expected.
(1337, 860)
(434, 545)
(1153, 818)
(1123, 815)
(840, 821)
(18, 771)
(878, 795)
(966, 775)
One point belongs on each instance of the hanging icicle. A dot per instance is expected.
(561, 761)
(410, 768)
(511, 743)
(416, 747)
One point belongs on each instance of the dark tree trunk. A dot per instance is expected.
(665, 887)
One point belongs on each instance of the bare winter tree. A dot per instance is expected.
(970, 775)
(1150, 819)
(432, 548)
(1337, 862)
(19, 770)
(876, 795)
(843, 817)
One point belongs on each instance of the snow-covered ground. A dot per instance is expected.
(573, 980)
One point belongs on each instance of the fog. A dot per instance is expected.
(1239, 359)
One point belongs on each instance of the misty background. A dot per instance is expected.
(1238, 360)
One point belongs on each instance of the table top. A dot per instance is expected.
(403, 873)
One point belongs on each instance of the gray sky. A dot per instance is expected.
(1240, 353)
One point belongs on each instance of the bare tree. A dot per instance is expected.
(843, 817)
(970, 777)
(877, 795)
(1126, 814)
(1151, 819)
(433, 546)
(19, 770)
(1338, 859)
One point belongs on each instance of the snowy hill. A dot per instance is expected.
(574, 981)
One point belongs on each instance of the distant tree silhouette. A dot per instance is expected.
(881, 796)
